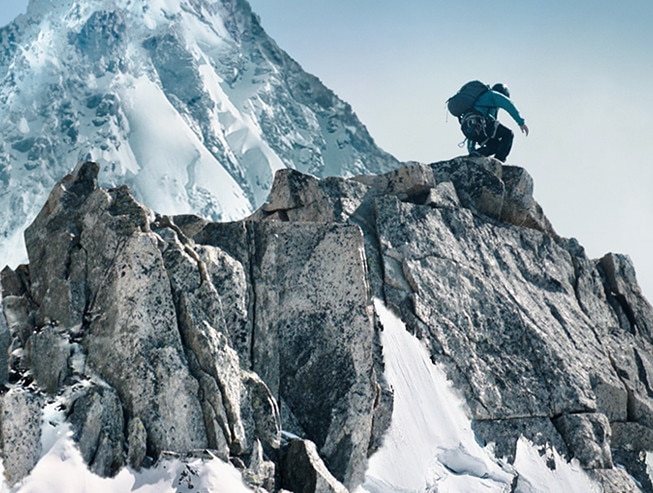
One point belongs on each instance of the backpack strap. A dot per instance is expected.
(478, 127)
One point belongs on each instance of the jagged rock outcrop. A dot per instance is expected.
(179, 346)
(210, 335)
(543, 341)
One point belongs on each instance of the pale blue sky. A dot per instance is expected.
(579, 71)
(10, 9)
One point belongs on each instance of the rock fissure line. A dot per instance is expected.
(251, 291)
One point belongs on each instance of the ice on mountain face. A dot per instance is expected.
(162, 177)
(536, 477)
(430, 445)
(189, 103)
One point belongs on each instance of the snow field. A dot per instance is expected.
(430, 445)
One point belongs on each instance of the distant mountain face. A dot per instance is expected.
(189, 102)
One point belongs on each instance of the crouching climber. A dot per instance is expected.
(476, 105)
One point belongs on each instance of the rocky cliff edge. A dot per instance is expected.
(257, 340)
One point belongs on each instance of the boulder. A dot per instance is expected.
(18, 308)
(313, 335)
(96, 417)
(588, 438)
(20, 432)
(47, 353)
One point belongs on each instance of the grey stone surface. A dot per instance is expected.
(631, 436)
(137, 443)
(615, 480)
(588, 438)
(47, 353)
(313, 335)
(135, 345)
(260, 473)
(20, 432)
(635, 462)
(96, 416)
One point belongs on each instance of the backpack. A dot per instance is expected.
(478, 128)
(463, 101)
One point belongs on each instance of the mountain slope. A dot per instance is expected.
(188, 102)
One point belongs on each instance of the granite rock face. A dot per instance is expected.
(182, 346)
(542, 341)
(218, 335)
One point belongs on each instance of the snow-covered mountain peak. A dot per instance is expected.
(187, 101)
(151, 12)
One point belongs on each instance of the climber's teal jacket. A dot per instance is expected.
(489, 103)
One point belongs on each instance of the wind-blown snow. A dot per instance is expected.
(430, 445)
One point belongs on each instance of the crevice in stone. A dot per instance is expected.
(373, 250)
(418, 197)
(642, 373)
(282, 212)
(563, 325)
(250, 233)
(163, 222)
(630, 394)
(198, 372)
(122, 244)
(617, 300)
(283, 215)
(577, 291)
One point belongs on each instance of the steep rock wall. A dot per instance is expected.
(542, 341)
(121, 315)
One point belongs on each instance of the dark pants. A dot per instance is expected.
(499, 145)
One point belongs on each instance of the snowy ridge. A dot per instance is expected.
(190, 103)
(430, 446)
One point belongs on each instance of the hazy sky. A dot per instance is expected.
(578, 71)
(10, 9)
